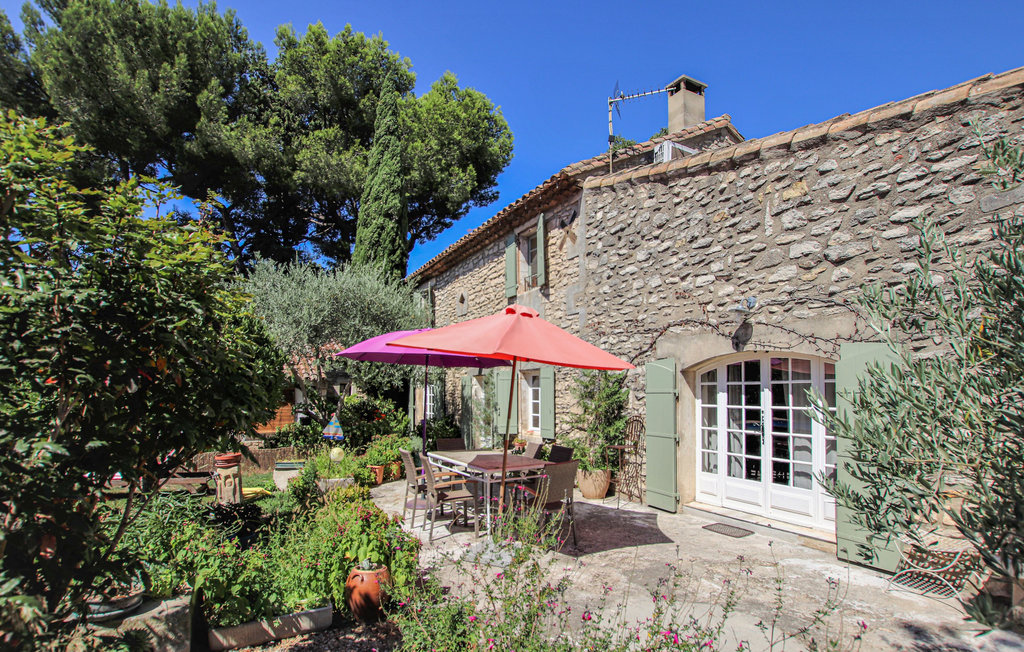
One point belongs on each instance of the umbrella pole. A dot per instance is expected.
(426, 370)
(504, 438)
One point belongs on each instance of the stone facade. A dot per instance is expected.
(647, 262)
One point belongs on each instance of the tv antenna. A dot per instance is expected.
(613, 101)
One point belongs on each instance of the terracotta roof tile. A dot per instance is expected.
(792, 139)
(567, 177)
(574, 176)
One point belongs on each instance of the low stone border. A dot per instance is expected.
(262, 631)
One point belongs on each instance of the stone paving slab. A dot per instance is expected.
(628, 549)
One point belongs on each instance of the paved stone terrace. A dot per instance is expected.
(629, 547)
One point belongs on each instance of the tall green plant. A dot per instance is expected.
(383, 222)
(941, 435)
(123, 350)
(600, 417)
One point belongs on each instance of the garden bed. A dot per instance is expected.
(271, 629)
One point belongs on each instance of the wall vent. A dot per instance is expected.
(667, 150)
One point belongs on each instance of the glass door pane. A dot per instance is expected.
(792, 453)
(708, 406)
(744, 425)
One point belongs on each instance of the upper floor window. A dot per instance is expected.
(531, 256)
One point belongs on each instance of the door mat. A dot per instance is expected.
(728, 530)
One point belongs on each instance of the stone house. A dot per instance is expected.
(724, 269)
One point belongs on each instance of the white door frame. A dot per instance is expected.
(807, 507)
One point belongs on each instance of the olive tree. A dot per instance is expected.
(942, 434)
(312, 313)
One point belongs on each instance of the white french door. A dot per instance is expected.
(760, 446)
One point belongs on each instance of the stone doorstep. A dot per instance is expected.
(821, 540)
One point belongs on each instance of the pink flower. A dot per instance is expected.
(472, 618)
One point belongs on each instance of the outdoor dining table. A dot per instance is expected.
(484, 466)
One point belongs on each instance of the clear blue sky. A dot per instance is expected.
(772, 66)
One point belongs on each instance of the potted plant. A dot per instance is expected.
(366, 589)
(600, 423)
(382, 453)
(335, 468)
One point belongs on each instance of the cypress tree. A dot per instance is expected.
(383, 223)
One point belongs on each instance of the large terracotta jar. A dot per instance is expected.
(365, 590)
(594, 484)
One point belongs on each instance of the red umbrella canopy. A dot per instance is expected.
(515, 333)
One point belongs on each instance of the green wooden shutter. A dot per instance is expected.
(466, 414)
(437, 399)
(547, 402)
(851, 539)
(662, 438)
(502, 383)
(510, 266)
(542, 273)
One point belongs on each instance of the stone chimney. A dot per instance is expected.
(685, 103)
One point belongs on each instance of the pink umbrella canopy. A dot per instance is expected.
(375, 349)
(517, 333)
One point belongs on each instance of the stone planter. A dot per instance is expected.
(102, 609)
(594, 484)
(272, 629)
(327, 484)
(285, 471)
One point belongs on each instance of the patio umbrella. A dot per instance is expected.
(518, 334)
(375, 349)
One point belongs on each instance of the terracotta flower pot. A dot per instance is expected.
(227, 460)
(395, 470)
(594, 484)
(365, 590)
(378, 473)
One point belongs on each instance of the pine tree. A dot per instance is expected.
(383, 222)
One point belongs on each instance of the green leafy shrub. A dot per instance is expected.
(238, 585)
(363, 419)
(336, 463)
(384, 449)
(304, 491)
(349, 494)
(306, 438)
(125, 348)
(602, 399)
(363, 476)
(314, 557)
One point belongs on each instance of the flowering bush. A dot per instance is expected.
(287, 567)
(363, 419)
(316, 557)
(515, 595)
